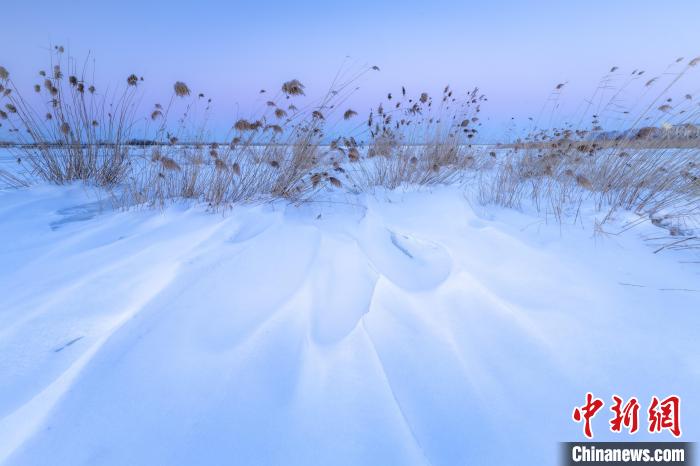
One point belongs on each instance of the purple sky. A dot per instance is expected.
(516, 52)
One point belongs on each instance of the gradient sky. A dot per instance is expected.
(514, 51)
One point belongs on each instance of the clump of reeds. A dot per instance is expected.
(70, 131)
(261, 160)
(646, 162)
(67, 134)
(416, 141)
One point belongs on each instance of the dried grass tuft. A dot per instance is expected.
(293, 87)
(181, 89)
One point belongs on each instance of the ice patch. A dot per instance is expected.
(79, 213)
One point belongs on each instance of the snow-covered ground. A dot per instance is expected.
(399, 328)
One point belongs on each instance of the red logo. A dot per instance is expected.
(665, 414)
(587, 412)
(625, 416)
(662, 414)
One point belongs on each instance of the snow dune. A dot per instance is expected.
(401, 328)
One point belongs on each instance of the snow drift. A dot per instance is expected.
(400, 328)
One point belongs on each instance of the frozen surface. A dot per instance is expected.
(404, 328)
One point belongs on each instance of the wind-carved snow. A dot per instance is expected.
(397, 329)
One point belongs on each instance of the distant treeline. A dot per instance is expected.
(132, 142)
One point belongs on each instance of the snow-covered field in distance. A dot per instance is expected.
(400, 328)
